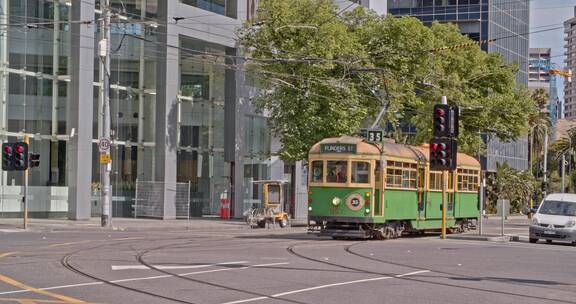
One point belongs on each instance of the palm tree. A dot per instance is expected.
(566, 146)
(539, 122)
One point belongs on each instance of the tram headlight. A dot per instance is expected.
(336, 201)
(367, 210)
(309, 208)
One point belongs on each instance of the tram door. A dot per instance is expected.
(378, 199)
(421, 191)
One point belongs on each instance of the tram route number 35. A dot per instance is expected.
(375, 135)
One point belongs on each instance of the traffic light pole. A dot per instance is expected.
(105, 191)
(444, 101)
(25, 194)
(444, 186)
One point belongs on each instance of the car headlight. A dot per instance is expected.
(336, 201)
(571, 223)
(535, 221)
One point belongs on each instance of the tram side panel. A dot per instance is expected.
(335, 204)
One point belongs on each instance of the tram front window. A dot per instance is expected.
(317, 171)
(360, 172)
(337, 171)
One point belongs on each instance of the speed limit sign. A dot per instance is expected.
(104, 144)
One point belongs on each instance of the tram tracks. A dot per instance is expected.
(349, 250)
(67, 262)
(292, 250)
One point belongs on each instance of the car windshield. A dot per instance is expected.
(558, 208)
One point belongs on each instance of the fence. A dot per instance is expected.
(149, 200)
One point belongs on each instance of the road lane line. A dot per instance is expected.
(145, 278)
(278, 295)
(28, 301)
(169, 267)
(21, 285)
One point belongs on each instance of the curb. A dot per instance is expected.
(499, 239)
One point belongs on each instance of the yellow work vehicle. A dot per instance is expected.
(273, 208)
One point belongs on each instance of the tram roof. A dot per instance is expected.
(390, 149)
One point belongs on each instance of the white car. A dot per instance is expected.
(555, 219)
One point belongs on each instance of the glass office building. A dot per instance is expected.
(505, 21)
(180, 104)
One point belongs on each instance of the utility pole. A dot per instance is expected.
(545, 162)
(105, 166)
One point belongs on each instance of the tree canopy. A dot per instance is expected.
(325, 72)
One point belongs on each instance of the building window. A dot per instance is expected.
(222, 7)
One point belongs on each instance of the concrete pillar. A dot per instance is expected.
(80, 111)
(167, 87)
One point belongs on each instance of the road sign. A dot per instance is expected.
(375, 135)
(105, 158)
(104, 144)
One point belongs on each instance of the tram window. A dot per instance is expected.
(317, 171)
(393, 178)
(467, 180)
(435, 181)
(360, 172)
(408, 179)
(337, 171)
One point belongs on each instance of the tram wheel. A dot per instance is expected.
(533, 240)
(262, 224)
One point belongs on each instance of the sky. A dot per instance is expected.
(549, 15)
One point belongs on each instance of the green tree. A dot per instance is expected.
(325, 73)
(507, 183)
(539, 123)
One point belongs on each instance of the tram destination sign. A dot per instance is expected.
(337, 148)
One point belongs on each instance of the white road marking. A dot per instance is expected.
(145, 278)
(168, 267)
(278, 295)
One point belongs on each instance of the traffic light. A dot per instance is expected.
(20, 156)
(445, 121)
(7, 157)
(443, 152)
(34, 160)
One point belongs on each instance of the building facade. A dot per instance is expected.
(505, 23)
(539, 77)
(180, 105)
(570, 60)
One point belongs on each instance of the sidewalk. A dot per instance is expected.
(515, 230)
(122, 224)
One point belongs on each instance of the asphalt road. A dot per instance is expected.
(277, 266)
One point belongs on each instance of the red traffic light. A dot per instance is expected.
(440, 112)
(434, 147)
(19, 149)
(7, 149)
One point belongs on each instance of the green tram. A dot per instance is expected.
(352, 195)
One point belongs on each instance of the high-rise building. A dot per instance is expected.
(180, 107)
(506, 22)
(570, 60)
(539, 67)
